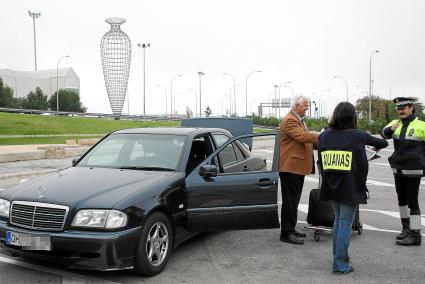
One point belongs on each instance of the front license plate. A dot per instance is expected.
(28, 242)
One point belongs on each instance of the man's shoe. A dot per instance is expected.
(300, 235)
(291, 239)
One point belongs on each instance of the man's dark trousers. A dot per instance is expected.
(291, 186)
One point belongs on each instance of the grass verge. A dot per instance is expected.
(30, 124)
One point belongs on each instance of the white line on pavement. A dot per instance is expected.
(380, 164)
(369, 181)
(264, 150)
(68, 277)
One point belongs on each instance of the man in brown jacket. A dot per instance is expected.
(296, 161)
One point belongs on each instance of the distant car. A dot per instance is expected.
(137, 194)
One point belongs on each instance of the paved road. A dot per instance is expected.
(257, 256)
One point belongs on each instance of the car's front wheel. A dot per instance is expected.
(155, 245)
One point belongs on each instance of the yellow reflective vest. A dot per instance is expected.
(408, 158)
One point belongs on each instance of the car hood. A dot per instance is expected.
(84, 187)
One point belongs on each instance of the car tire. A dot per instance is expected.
(155, 245)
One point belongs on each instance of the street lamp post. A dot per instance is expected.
(34, 16)
(275, 99)
(196, 100)
(166, 100)
(246, 90)
(178, 94)
(57, 81)
(200, 74)
(171, 93)
(234, 90)
(144, 46)
(321, 101)
(370, 85)
(346, 84)
(284, 84)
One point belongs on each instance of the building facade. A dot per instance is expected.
(23, 82)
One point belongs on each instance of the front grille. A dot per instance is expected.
(36, 215)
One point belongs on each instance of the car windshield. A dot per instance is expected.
(136, 152)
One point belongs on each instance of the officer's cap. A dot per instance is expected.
(400, 102)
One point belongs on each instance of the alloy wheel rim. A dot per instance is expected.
(157, 244)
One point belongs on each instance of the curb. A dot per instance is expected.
(29, 173)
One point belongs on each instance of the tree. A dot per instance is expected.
(6, 96)
(68, 101)
(35, 100)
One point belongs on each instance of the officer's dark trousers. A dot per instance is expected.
(291, 186)
(407, 192)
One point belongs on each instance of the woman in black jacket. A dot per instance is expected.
(344, 167)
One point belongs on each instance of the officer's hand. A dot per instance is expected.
(395, 126)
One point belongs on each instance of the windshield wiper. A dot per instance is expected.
(145, 168)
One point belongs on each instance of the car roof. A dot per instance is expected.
(184, 131)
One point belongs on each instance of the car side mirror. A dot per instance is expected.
(208, 170)
(75, 160)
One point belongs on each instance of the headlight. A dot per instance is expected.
(95, 218)
(4, 208)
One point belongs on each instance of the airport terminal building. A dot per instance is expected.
(23, 82)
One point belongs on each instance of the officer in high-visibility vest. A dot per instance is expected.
(408, 165)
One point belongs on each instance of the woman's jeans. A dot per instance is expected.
(344, 217)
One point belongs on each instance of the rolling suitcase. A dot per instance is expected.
(321, 217)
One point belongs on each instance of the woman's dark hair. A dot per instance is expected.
(344, 117)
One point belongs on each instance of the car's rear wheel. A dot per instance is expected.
(155, 245)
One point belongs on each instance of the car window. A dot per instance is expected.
(136, 150)
(200, 149)
(107, 154)
(233, 160)
(220, 139)
(228, 155)
(239, 155)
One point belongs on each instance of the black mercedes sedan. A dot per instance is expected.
(139, 193)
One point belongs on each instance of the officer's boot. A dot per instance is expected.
(414, 237)
(405, 222)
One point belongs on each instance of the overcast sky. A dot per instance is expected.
(306, 42)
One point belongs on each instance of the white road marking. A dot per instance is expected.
(1, 189)
(264, 150)
(379, 183)
(311, 179)
(23, 180)
(380, 164)
(68, 277)
(369, 181)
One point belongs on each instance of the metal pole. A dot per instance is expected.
(346, 85)
(171, 95)
(34, 16)
(234, 90)
(144, 45)
(284, 85)
(321, 102)
(246, 90)
(57, 82)
(200, 92)
(166, 99)
(196, 100)
(275, 98)
(370, 85)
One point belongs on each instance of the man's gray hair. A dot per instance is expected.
(298, 99)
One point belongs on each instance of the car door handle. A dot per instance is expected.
(265, 182)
